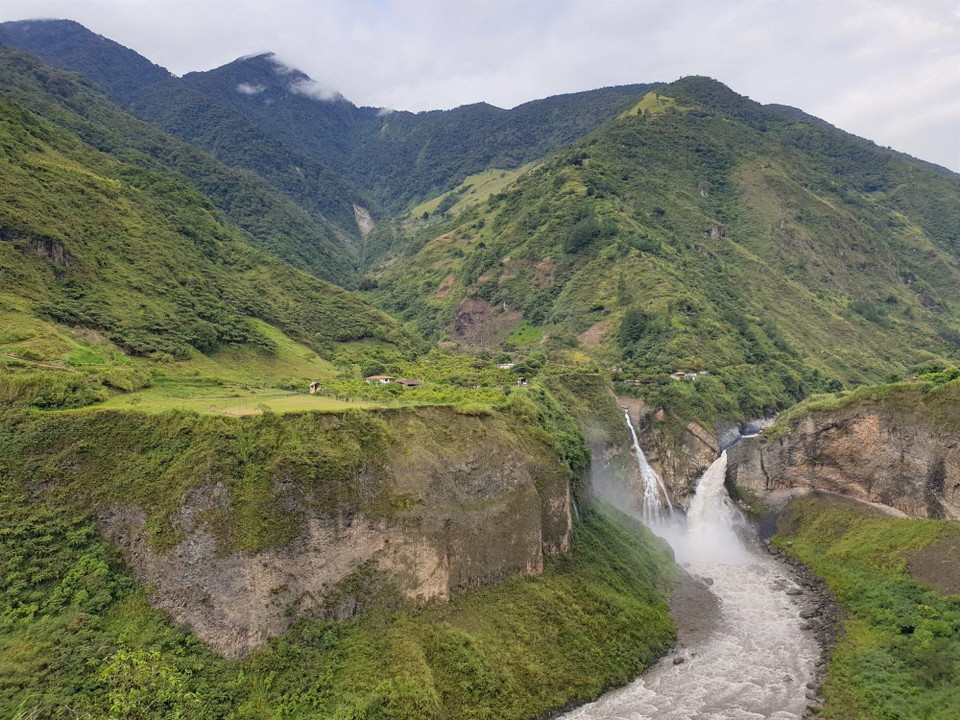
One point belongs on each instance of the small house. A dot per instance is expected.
(380, 379)
(314, 387)
(679, 375)
(504, 366)
(408, 383)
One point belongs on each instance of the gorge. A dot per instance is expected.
(607, 404)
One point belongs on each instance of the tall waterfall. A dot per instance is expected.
(755, 661)
(712, 520)
(652, 483)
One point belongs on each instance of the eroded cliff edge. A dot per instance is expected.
(898, 446)
(237, 527)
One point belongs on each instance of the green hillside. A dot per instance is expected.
(701, 231)
(396, 156)
(302, 237)
(322, 152)
(154, 95)
(109, 271)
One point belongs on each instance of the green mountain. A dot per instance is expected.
(700, 231)
(160, 99)
(312, 144)
(396, 156)
(301, 236)
(109, 269)
(186, 532)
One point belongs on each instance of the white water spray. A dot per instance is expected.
(652, 483)
(756, 661)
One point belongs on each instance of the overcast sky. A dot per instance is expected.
(888, 70)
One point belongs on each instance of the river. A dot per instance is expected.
(755, 661)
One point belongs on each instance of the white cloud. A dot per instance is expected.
(250, 88)
(313, 89)
(885, 69)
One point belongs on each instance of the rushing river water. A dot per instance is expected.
(756, 660)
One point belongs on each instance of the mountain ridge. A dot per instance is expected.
(656, 240)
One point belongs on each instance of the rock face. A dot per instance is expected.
(870, 454)
(680, 453)
(473, 502)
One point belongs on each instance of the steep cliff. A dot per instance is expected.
(896, 445)
(679, 451)
(240, 526)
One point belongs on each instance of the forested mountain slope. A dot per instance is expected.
(702, 231)
(167, 102)
(400, 156)
(311, 143)
(274, 222)
(96, 251)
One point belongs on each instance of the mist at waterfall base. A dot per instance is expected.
(709, 532)
(753, 662)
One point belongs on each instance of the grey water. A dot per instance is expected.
(756, 661)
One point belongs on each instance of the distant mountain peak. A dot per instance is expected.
(260, 72)
(67, 44)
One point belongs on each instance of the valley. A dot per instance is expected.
(315, 410)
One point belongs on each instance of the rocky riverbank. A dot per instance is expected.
(819, 614)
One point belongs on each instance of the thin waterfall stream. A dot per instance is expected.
(756, 661)
(652, 482)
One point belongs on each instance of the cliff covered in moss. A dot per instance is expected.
(240, 526)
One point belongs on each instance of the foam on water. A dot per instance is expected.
(756, 662)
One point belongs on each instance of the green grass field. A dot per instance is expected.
(474, 190)
(227, 400)
(898, 655)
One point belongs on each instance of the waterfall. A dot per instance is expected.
(754, 660)
(652, 482)
(713, 519)
(711, 505)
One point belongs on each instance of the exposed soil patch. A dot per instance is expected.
(477, 322)
(938, 565)
(444, 288)
(594, 334)
(543, 273)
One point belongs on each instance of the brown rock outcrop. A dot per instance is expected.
(679, 453)
(870, 454)
(474, 502)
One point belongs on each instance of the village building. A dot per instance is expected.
(380, 379)
(314, 387)
(408, 383)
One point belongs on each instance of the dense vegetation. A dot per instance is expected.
(325, 154)
(167, 102)
(702, 231)
(275, 223)
(929, 398)
(88, 241)
(80, 637)
(148, 290)
(400, 156)
(899, 652)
